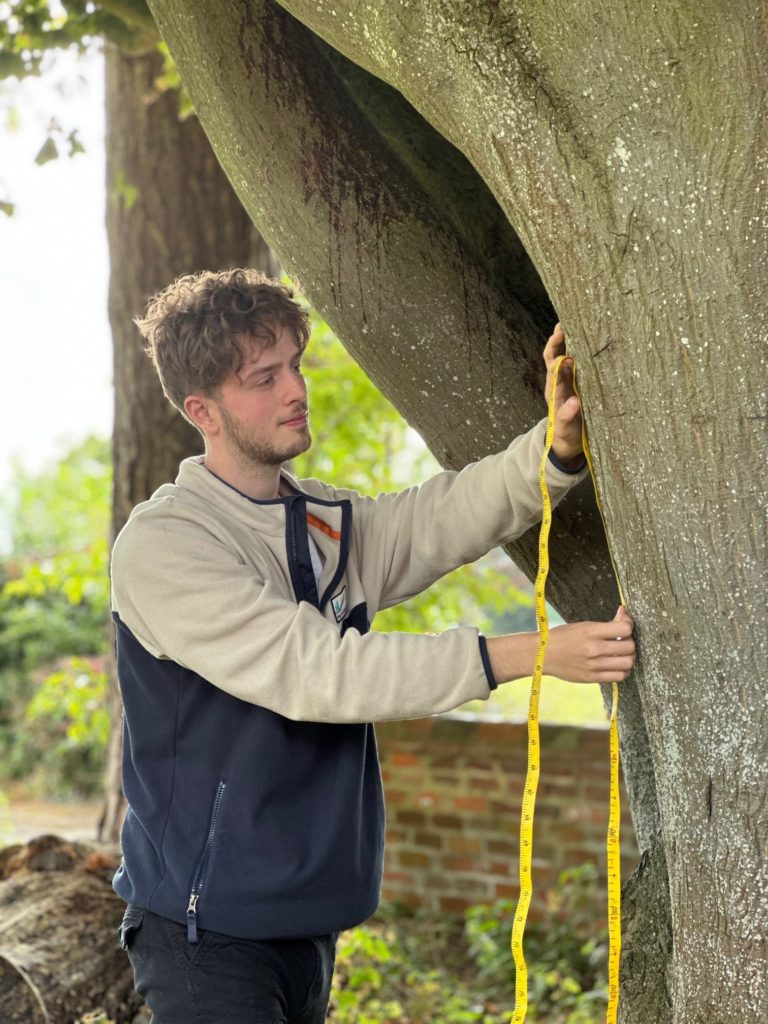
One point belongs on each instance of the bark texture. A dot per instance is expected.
(59, 950)
(425, 158)
(170, 211)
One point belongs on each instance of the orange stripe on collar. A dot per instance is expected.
(314, 521)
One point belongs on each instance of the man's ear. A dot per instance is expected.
(203, 412)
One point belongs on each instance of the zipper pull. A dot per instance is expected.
(192, 917)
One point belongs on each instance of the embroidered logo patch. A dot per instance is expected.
(339, 604)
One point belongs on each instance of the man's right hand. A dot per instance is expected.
(579, 652)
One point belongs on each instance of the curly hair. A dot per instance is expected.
(198, 329)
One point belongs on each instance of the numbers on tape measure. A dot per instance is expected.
(533, 766)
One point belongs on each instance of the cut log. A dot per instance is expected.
(60, 957)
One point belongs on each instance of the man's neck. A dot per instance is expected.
(260, 482)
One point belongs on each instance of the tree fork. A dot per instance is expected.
(627, 149)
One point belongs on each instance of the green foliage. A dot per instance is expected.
(124, 191)
(74, 698)
(384, 974)
(31, 28)
(54, 599)
(67, 723)
(409, 967)
(566, 957)
(65, 507)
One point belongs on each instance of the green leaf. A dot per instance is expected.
(48, 151)
(75, 145)
(12, 64)
(124, 191)
(7, 208)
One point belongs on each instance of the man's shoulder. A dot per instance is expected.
(171, 514)
(315, 488)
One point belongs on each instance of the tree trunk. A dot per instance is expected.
(170, 211)
(626, 146)
(59, 950)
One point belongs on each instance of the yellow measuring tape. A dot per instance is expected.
(534, 760)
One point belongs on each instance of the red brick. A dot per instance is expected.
(396, 796)
(484, 783)
(461, 845)
(478, 887)
(403, 757)
(428, 839)
(502, 867)
(397, 878)
(448, 821)
(410, 817)
(503, 891)
(395, 836)
(409, 859)
(454, 904)
(499, 807)
(409, 899)
(458, 863)
(470, 803)
(503, 846)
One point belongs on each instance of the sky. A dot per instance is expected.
(54, 333)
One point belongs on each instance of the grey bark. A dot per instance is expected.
(621, 151)
(182, 218)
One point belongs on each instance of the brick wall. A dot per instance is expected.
(453, 787)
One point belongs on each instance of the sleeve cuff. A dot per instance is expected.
(487, 662)
(563, 469)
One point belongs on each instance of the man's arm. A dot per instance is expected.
(186, 596)
(581, 652)
(412, 538)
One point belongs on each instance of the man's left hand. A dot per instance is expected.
(567, 440)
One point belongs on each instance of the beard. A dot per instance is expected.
(259, 451)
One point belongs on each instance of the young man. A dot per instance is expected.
(242, 599)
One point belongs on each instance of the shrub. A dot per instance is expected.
(408, 967)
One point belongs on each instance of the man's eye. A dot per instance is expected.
(264, 382)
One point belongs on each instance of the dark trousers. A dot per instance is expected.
(223, 980)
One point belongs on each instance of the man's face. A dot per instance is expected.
(263, 408)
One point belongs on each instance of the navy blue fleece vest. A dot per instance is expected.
(241, 820)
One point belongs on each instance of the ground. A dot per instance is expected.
(22, 817)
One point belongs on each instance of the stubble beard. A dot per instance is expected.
(260, 453)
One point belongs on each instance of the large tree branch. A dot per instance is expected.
(398, 242)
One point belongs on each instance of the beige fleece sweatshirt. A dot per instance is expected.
(201, 575)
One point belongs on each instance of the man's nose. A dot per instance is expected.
(296, 390)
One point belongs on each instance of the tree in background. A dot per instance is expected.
(439, 176)
(170, 211)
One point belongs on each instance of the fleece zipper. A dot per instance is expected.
(199, 878)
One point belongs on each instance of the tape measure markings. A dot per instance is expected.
(613, 856)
